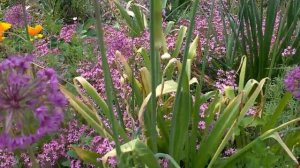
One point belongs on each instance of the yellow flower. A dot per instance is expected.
(3, 27)
(34, 31)
(40, 36)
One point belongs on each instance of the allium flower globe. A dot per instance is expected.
(292, 82)
(15, 16)
(30, 107)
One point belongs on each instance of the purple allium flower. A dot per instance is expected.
(289, 51)
(292, 82)
(30, 107)
(14, 15)
(229, 151)
(67, 32)
(201, 125)
(7, 159)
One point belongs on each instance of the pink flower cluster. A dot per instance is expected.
(67, 32)
(7, 159)
(203, 108)
(225, 78)
(288, 52)
(252, 112)
(114, 40)
(57, 149)
(230, 151)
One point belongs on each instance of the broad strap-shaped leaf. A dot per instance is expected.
(276, 136)
(139, 150)
(134, 82)
(179, 40)
(89, 115)
(169, 87)
(92, 93)
(88, 157)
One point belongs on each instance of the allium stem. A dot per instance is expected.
(25, 19)
(30, 46)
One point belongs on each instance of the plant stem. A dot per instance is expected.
(33, 158)
(26, 25)
(109, 89)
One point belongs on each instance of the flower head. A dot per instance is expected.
(35, 31)
(252, 111)
(15, 16)
(230, 151)
(3, 27)
(30, 106)
(292, 82)
(288, 52)
(201, 125)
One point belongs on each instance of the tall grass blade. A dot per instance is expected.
(109, 89)
(182, 99)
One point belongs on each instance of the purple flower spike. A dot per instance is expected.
(292, 82)
(30, 107)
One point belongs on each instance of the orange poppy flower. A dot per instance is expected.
(33, 31)
(3, 27)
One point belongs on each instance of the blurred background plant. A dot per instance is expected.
(209, 109)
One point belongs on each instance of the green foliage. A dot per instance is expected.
(266, 39)
(133, 16)
(226, 119)
(274, 92)
(175, 9)
(67, 9)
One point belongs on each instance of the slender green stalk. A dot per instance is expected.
(30, 46)
(107, 76)
(153, 55)
(25, 19)
(181, 76)
(32, 158)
